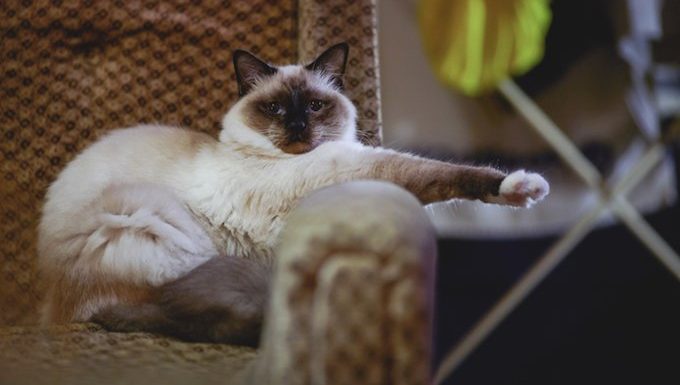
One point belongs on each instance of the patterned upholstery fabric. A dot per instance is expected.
(323, 22)
(85, 354)
(72, 70)
(352, 290)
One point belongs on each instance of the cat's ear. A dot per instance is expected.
(249, 70)
(332, 62)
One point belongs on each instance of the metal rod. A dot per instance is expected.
(647, 235)
(630, 217)
(549, 131)
(648, 161)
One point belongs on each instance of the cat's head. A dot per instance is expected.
(293, 107)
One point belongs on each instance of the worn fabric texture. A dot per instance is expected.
(351, 308)
(86, 354)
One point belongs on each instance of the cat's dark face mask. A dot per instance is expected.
(296, 107)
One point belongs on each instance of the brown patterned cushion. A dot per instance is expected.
(72, 70)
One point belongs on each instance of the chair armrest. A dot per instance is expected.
(352, 289)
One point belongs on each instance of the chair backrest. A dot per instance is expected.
(72, 71)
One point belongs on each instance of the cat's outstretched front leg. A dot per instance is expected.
(434, 181)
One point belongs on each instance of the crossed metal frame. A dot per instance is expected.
(611, 200)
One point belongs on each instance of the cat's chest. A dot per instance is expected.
(242, 237)
(241, 205)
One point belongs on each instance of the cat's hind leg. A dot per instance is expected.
(125, 317)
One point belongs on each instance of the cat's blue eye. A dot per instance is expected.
(316, 105)
(273, 108)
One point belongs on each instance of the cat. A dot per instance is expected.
(168, 230)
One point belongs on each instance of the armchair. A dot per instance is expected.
(362, 252)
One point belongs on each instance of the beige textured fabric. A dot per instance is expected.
(72, 70)
(85, 354)
(352, 291)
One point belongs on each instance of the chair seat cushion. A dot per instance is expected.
(86, 353)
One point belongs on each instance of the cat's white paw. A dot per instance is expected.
(522, 189)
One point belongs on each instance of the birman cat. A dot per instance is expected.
(169, 230)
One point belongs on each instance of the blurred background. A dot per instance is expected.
(607, 73)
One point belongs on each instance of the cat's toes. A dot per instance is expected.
(113, 318)
(124, 318)
(522, 189)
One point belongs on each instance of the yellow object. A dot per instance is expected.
(475, 44)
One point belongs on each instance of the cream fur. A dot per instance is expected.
(145, 205)
(521, 189)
